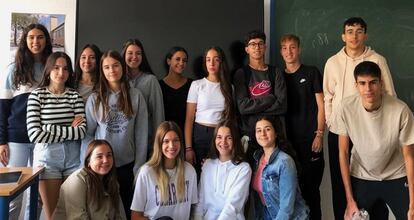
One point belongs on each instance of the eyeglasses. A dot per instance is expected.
(258, 44)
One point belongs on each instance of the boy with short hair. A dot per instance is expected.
(338, 83)
(305, 120)
(259, 88)
(382, 160)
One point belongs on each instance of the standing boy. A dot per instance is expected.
(305, 120)
(381, 128)
(259, 88)
(338, 83)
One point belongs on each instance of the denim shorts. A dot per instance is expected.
(59, 159)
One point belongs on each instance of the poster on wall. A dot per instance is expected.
(59, 17)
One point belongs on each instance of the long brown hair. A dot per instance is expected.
(78, 71)
(237, 155)
(157, 161)
(224, 79)
(50, 64)
(24, 60)
(144, 66)
(124, 101)
(97, 187)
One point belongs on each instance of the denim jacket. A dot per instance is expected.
(280, 189)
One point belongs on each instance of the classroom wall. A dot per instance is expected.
(161, 24)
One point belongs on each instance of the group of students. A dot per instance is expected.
(95, 154)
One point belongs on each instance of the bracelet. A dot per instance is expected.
(188, 148)
(319, 133)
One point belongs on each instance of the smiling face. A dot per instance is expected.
(36, 41)
(290, 51)
(213, 62)
(224, 143)
(265, 134)
(256, 49)
(112, 70)
(101, 160)
(178, 62)
(133, 56)
(171, 145)
(87, 61)
(59, 73)
(354, 37)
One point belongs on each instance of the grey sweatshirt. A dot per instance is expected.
(151, 90)
(128, 136)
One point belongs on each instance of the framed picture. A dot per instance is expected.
(59, 17)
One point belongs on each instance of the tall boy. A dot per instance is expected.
(381, 128)
(338, 83)
(259, 88)
(305, 120)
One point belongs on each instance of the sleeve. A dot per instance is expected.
(192, 96)
(156, 103)
(194, 194)
(199, 207)
(238, 194)
(69, 132)
(279, 106)
(288, 185)
(340, 127)
(244, 102)
(92, 124)
(73, 193)
(6, 95)
(328, 92)
(386, 77)
(406, 127)
(34, 127)
(317, 81)
(141, 133)
(139, 200)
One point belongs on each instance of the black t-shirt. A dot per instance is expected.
(302, 113)
(175, 102)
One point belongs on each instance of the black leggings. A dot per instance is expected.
(125, 176)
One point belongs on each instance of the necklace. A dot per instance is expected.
(56, 95)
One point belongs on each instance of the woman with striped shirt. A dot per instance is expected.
(55, 123)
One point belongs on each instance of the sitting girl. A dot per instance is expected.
(166, 184)
(225, 177)
(92, 192)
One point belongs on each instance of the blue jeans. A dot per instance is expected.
(21, 155)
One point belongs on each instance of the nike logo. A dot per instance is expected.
(302, 80)
(262, 88)
(313, 159)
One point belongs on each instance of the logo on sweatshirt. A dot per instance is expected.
(117, 121)
(302, 80)
(260, 88)
(172, 195)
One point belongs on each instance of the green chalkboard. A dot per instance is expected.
(319, 25)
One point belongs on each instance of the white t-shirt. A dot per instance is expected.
(223, 190)
(147, 197)
(209, 99)
(377, 137)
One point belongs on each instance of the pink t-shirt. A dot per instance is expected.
(257, 180)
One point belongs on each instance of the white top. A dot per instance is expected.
(223, 190)
(209, 99)
(377, 137)
(147, 197)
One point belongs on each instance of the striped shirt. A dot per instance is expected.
(49, 116)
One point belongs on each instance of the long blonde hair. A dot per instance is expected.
(157, 162)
